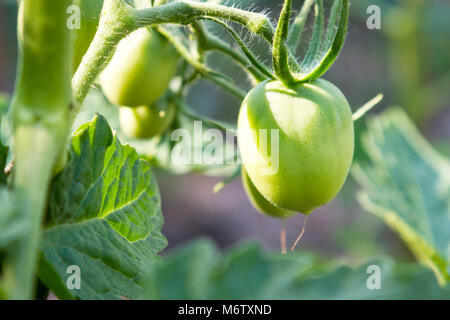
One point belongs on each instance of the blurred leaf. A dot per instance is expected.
(3, 158)
(4, 101)
(199, 271)
(197, 144)
(13, 222)
(104, 216)
(407, 184)
(5, 127)
(398, 281)
(186, 136)
(3, 149)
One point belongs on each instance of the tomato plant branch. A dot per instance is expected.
(209, 42)
(184, 12)
(261, 68)
(40, 109)
(205, 71)
(119, 19)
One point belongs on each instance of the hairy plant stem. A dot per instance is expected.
(202, 69)
(209, 42)
(41, 109)
(256, 64)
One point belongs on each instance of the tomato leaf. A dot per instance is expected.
(407, 184)
(199, 271)
(104, 217)
(13, 222)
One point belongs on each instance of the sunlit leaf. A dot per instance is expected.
(407, 184)
(104, 217)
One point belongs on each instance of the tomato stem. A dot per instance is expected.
(280, 53)
(260, 67)
(40, 109)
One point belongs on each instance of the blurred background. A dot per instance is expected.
(408, 60)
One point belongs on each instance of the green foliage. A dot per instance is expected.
(104, 215)
(159, 150)
(407, 184)
(5, 125)
(102, 210)
(180, 147)
(3, 149)
(199, 271)
(3, 158)
(13, 221)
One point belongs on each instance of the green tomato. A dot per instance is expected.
(140, 70)
(145, 122)
(259, 202)
(89, 17)
(309, 162)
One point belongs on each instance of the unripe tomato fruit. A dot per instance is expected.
(140, 70)
(145, 122)
(259, 202)
(316, 142)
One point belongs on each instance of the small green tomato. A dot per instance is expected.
(140, 70)
(311, 159)
(145, 122)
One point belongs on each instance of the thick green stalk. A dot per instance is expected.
(184, 12)
(41, 108)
